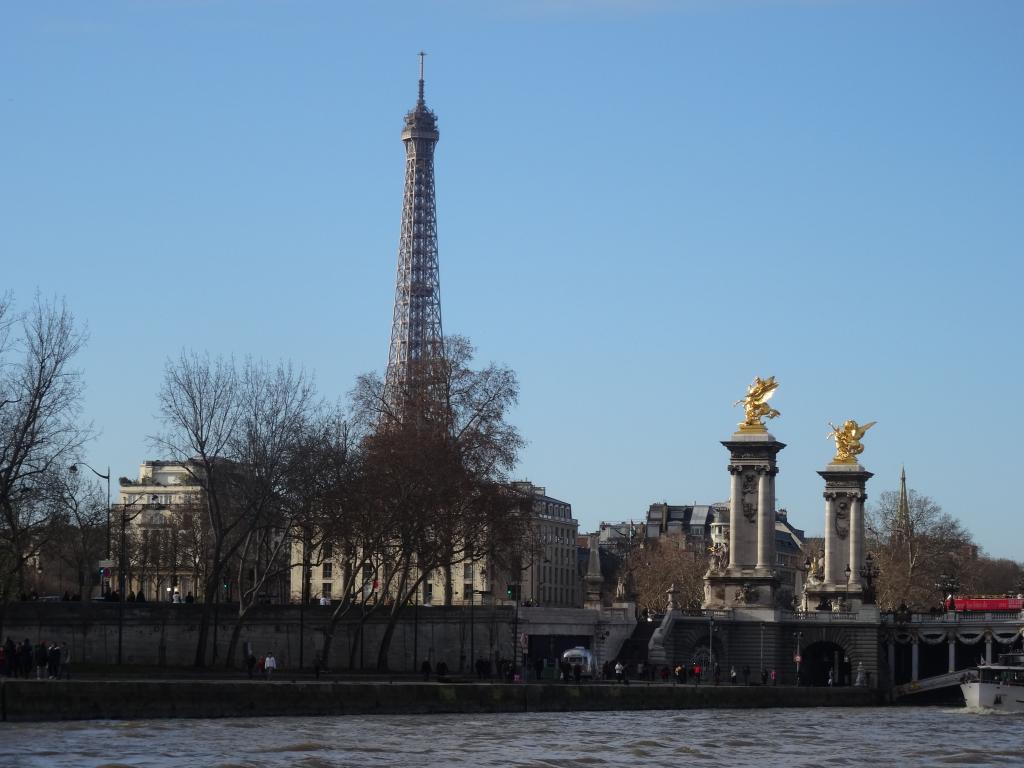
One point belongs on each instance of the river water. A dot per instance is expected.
(898, 736)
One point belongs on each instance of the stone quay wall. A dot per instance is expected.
(165, 634)
(28, 700)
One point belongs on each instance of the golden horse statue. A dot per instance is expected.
(848, 440)
(755, 404)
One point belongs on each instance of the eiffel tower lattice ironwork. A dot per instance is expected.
(416, 338)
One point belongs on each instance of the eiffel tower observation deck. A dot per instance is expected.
(416, 337)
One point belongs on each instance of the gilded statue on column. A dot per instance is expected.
(755, 404)
(848, 440)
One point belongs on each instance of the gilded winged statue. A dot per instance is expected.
(848, 440)
(755, 404)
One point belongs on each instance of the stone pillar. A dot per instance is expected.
(765, 521)
(856, 542)
(844, 536)
(830, 538)
(749, 580)
(988, 649)
(913, 660)
(735, 513)
(952, 651)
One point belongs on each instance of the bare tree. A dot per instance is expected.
(233, 430)
(917, 549)
(200, 410)
(993, 576)
(79, 527)
(661, 564)
(438, 459)
(274, 408)
(40, 432)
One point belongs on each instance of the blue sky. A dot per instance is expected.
(641, 206)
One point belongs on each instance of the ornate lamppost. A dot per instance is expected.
(869, 572)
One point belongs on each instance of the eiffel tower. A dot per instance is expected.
(416, 338)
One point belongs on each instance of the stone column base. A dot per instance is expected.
(733, 590)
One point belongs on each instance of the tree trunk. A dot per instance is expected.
(204, 622)
(385, 641)
(229, 657)
(332, 625)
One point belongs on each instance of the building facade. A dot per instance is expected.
(158, 526)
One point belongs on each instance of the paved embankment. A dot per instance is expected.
(28, 700)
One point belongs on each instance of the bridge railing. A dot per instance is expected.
(821, 617)
(954, 617)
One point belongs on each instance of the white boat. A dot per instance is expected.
(997, 686)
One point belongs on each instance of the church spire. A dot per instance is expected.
(903, 510)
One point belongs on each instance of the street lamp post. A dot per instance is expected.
(74, 470)
(711, 643)
(472, 633)
(869, 571)
(121, 585)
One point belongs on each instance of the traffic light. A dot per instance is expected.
(512, 591)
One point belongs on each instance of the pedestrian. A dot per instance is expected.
(25, 659)
(619, 671)
(316, 666)
(189, 598)
(775, 678)
(261, 669)
(746, 674)
(425, 670)
(269, 665)
(764, 676)
(442, 669)
(577, 672)
(53, 662)
(732, 675)
(829, 683)
(65, 661)
(718, 674)
(680, 674)
(250, 663)
(41, 659)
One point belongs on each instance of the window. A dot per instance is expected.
(428, 593)
(467, 571)
(326, 589)
(467, 591)
(328, 551)
(328, 570)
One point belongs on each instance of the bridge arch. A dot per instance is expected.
(827, 650)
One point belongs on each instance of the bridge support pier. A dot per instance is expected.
(988, 649)
(892, 661)
(914, 660)
(952, 652)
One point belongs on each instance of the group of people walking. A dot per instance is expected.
(264, 666)
(695, 673)
(44, 660)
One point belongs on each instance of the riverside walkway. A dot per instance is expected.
(31, 700)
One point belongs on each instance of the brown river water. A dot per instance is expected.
(894, 736)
